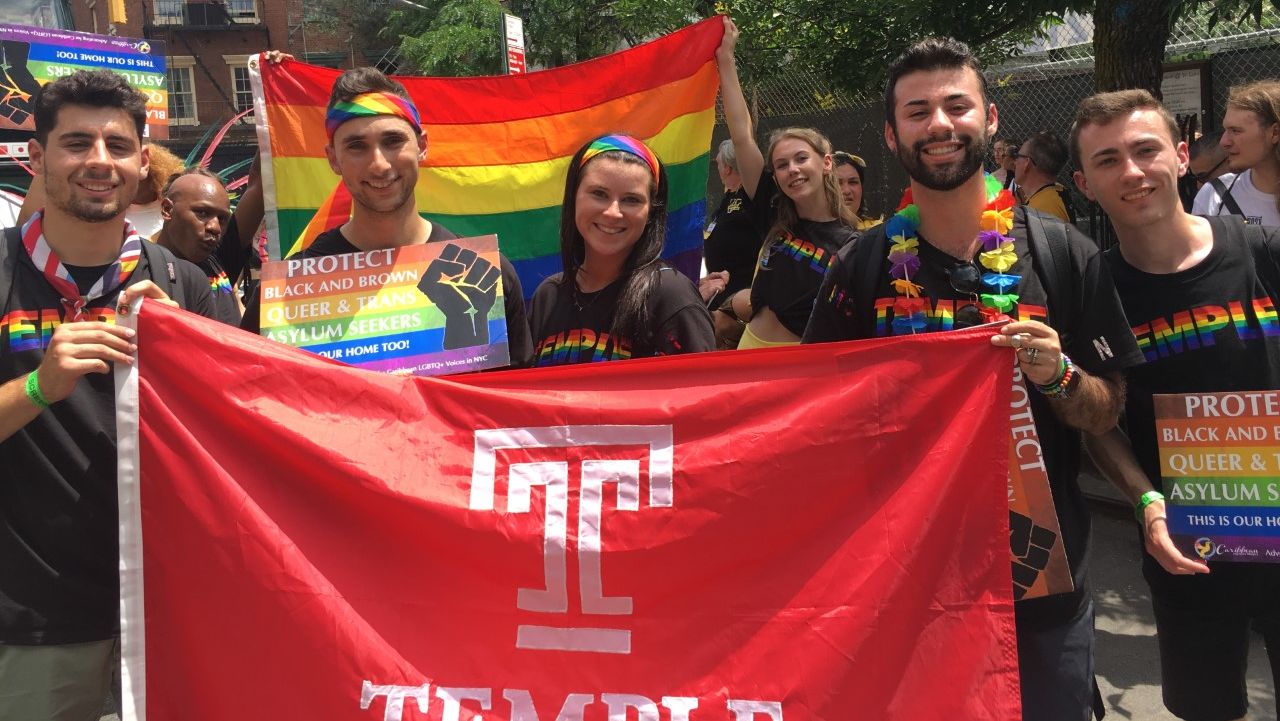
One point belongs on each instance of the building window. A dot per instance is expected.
(243, 11)
(169, 12)
(182, 92)
(241, 88)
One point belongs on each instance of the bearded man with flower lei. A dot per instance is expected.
(957, 254)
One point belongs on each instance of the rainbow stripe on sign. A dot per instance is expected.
(371, 309)
(500, 147)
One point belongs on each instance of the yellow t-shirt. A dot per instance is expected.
(1049, 200)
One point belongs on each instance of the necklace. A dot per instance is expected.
(577, 293)
(998, 257)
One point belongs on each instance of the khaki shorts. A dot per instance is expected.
(66, 682)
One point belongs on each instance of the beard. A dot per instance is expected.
(62, 196)
(947, 177)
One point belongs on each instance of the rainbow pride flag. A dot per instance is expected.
(499, 147)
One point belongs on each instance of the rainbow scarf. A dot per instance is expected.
(626, 144)
(367, 105)
(47, 261)
(501, 146)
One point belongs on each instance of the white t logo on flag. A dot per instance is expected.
(593, 476)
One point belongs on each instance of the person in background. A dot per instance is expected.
(851, 177)
(1000, 151)
(732, 241)
(1251, 139)
(1036, 165)
(199, 227)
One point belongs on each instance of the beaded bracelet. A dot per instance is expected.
(33, 391)
(1067, 380)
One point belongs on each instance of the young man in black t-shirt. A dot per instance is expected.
(76, 264)
(377, 143)
(960, 258)
(1201, 295)
(199, 227)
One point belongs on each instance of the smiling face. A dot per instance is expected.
(1247, 139)
(611, 207)
(196, 211)
(1131, 167)
(798, 168)
(850, 186)
(91, 162)
(941, 127)
(378, 158)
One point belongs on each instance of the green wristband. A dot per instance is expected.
(1146, 500)
(33, 391)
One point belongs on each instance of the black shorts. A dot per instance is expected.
(1055, 669)
(1203, 622)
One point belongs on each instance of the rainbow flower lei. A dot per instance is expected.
(998, 257)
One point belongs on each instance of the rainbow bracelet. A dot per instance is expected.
(1068, 379)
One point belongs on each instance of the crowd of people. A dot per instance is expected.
(793, 257)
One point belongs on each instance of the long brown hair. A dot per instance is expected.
(786, 217)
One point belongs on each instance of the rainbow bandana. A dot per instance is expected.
(369, 104)
(626, 144)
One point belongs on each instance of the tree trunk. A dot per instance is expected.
(1128, 43)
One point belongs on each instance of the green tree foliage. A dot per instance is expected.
(462, 38)
(852, 43)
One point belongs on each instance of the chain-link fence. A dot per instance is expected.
(1036, 91)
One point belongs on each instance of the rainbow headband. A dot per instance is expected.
(626, 144)
(369, 104)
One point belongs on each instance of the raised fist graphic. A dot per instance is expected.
(1031, 545)
(17, 86)
(464, 287)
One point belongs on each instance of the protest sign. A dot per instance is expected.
(1040, 565)
(1220, 466)
(35, 56)
(426, 309)
(727, 536)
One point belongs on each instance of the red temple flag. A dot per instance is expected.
(818, 532)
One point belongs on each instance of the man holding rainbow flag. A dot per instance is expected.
(376, 144)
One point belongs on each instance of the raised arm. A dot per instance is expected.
(736, 114)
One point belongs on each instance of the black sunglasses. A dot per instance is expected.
(966, 278)
(1208, 175)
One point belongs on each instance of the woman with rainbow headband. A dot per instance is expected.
(616, 298)
(797, 203)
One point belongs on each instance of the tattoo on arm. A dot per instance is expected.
(1095, 405)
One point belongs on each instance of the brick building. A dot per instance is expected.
(208, 43)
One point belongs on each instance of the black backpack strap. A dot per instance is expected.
(1051, 255)
(163, 267)
(10, 248)
(1258, 238)
(1224, 192)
